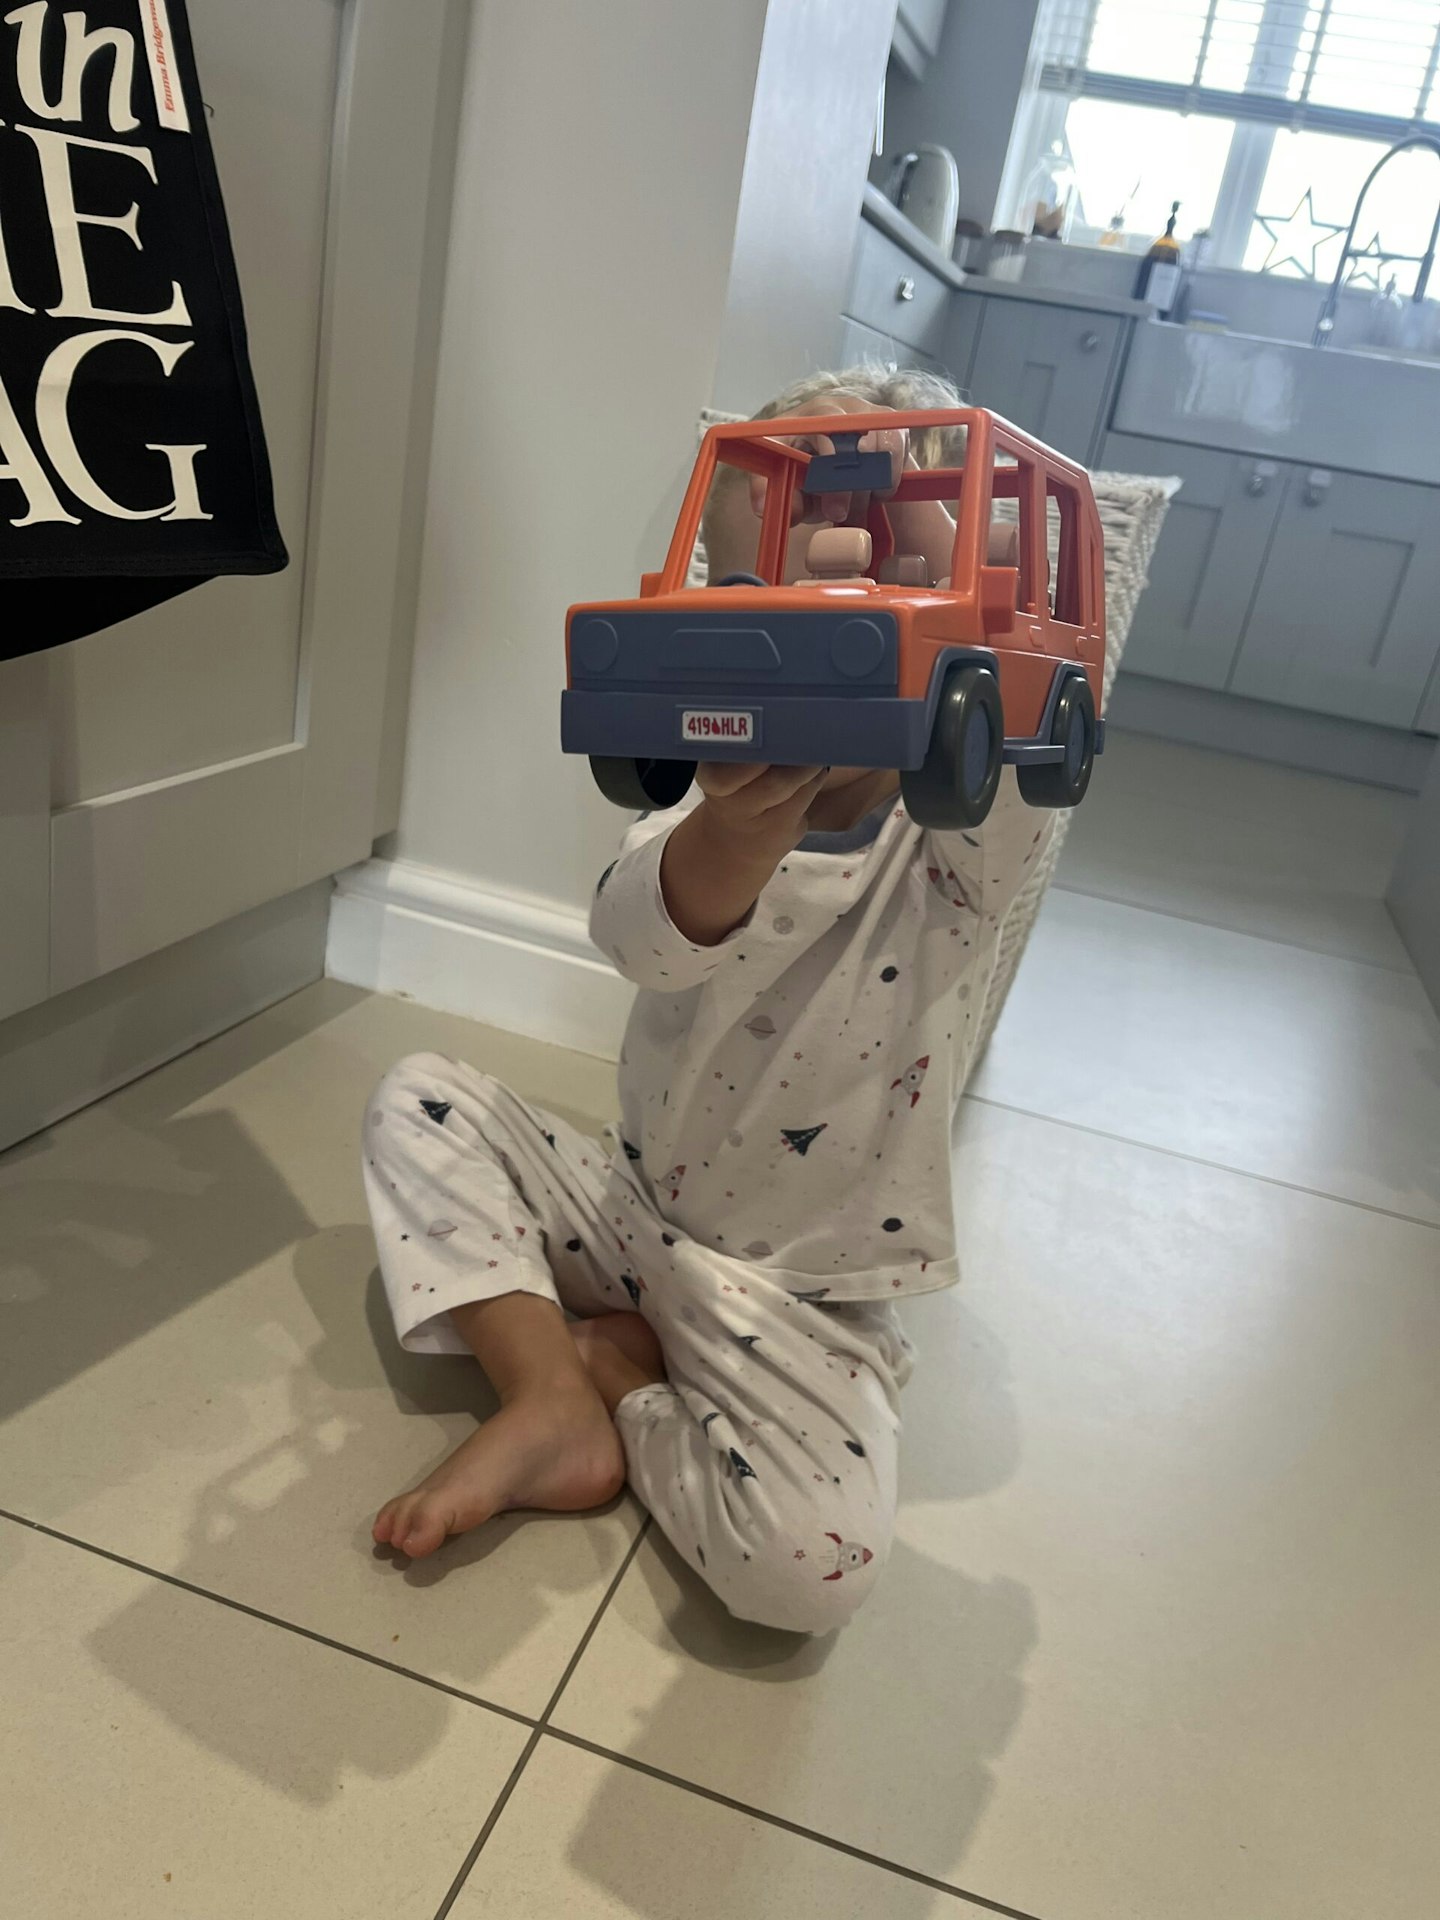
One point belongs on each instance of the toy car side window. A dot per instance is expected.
(1062, 508)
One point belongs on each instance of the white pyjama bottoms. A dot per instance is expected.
(769, 1458)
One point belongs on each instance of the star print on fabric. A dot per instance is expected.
(437, 1110)
(743, 1468)
(801, 1139)
(799, 1553)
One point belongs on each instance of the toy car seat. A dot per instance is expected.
(837, 557)
(904, 570)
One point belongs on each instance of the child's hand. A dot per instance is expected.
(718, 861)
(761, 809)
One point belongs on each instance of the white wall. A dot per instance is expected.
(616, 264)
(810, 138)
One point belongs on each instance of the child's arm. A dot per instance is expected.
(683, 888)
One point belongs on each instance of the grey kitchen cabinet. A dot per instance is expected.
(893, 292)
(918, 25)
(867, 346)
(1345, 619)
(1191, 618)
(1052, 370)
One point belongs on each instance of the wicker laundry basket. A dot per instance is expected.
(1132, 511)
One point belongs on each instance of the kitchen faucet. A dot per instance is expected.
(1325, 325)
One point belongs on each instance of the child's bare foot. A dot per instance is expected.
(620, 1353)
(547, 1447)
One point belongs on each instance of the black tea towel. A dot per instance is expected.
(132, 459)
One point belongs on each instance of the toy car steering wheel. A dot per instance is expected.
(742, 580)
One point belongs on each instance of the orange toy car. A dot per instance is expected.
(864, 661)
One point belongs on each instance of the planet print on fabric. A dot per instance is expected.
(913, 1079)
(758, 1250)
(736, 1139)
(440, 1229)
(856, 1448)
(893, 1224)
(784, 924)
(889, 974)
(573, 1246)
(437, 1110)
(801, 1139)
(762, 1027)
(847, 1556)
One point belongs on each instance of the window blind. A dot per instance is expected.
(1366, 67)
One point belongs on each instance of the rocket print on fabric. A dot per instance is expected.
(671, 1182)
(633, 1285)
(801, 1139)
(913, 1079)
(743, 1468)
(847, 1556)
(950, 886)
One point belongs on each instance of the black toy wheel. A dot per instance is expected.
(1063, 782)
(742, 580)
(956, 784)
(643, 786)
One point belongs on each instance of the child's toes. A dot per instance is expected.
(383, 1531)
(425, 1527)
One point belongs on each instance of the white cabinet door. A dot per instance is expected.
(225, 748)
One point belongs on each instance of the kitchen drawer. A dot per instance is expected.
(892, 292)
(865, 346)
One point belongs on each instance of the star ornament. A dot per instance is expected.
(1366, 264)
(1296, 241)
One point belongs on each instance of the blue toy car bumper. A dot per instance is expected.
(786, 730)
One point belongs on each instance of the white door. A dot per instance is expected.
(224, 749)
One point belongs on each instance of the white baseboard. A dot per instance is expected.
(506, 959)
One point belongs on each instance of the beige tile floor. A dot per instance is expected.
(1159, 1635)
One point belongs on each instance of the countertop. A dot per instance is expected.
(884, 214)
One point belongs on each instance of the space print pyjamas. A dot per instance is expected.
(769, 1458)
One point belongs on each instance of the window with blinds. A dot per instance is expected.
(1366, 67)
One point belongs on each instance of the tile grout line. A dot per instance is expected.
(1406, 972)
(1199, 1160)
(893, 1867)
(502, 1800)
(268, 1619)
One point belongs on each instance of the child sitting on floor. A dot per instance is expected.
(811, 966)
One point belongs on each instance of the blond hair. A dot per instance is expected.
(901, 389)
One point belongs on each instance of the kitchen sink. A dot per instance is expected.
(1368, 410)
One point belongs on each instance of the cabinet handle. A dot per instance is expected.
(1317, 485)
(1261, 474)
(906, 288)
(1089, 342)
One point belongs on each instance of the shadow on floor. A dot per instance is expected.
(904, 1742)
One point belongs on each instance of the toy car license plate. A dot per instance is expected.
(717, 726)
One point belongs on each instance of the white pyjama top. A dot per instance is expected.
(787, 1096)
